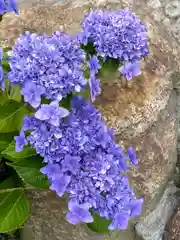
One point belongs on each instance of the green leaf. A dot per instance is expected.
(100, 225)
(11, 116)
(29, 171)
(5, 65)
(66, 102)
(14, 209)
(3, 97)
(86, 74)
(84, 93)
(8, 183)
(11, 154)
(109, 68)
(6, 139)
(5, 51)
(15, 93)
(89, 49)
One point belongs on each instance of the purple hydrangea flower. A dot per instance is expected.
(94, 64)
(21, 141)
(52, 63)
(32, 93)
(52, 113)
(130, 70)
(53, 170)
(2, 84)
(12, 6)
(132, 155)
(116, 34)
(1, 54)
(94, 84)
(136, 207)
(121, 221)
(2, 7)
(78, 213)
(59, 184)
(8, 6)
(84, 161)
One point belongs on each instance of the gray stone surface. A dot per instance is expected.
(173, 226)
(154, 4)
(176, 30)
(152, 227)
(142, 113)
(172, 9)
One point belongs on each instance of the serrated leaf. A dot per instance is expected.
(99, 225)
(11, 116)
(11, 154)
(29, 171)
(6, 139)
(14, 209)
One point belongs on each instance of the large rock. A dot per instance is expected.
(173, 226)
(143, 113)
(152, 226)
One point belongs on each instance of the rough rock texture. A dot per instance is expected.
(143, 113)
(173, 226)
(152, 226)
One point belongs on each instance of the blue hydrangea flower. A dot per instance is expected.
(116, 34)
(130, 70)
(60, 183)
(2, 84)
(8, 6)
(84, 161)
(94, 64)
(121, 221)
(51, 113)
(1, 54)
(132, 155)
(52, 64)
(78, 213)
(32, 93)
(94, 84)
(21, 141)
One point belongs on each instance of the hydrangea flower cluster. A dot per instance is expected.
(83, 161)
(120, 35)
(49, 67)
(79, 151)
(8, 6)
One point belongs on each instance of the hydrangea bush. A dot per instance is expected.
(51, 134)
